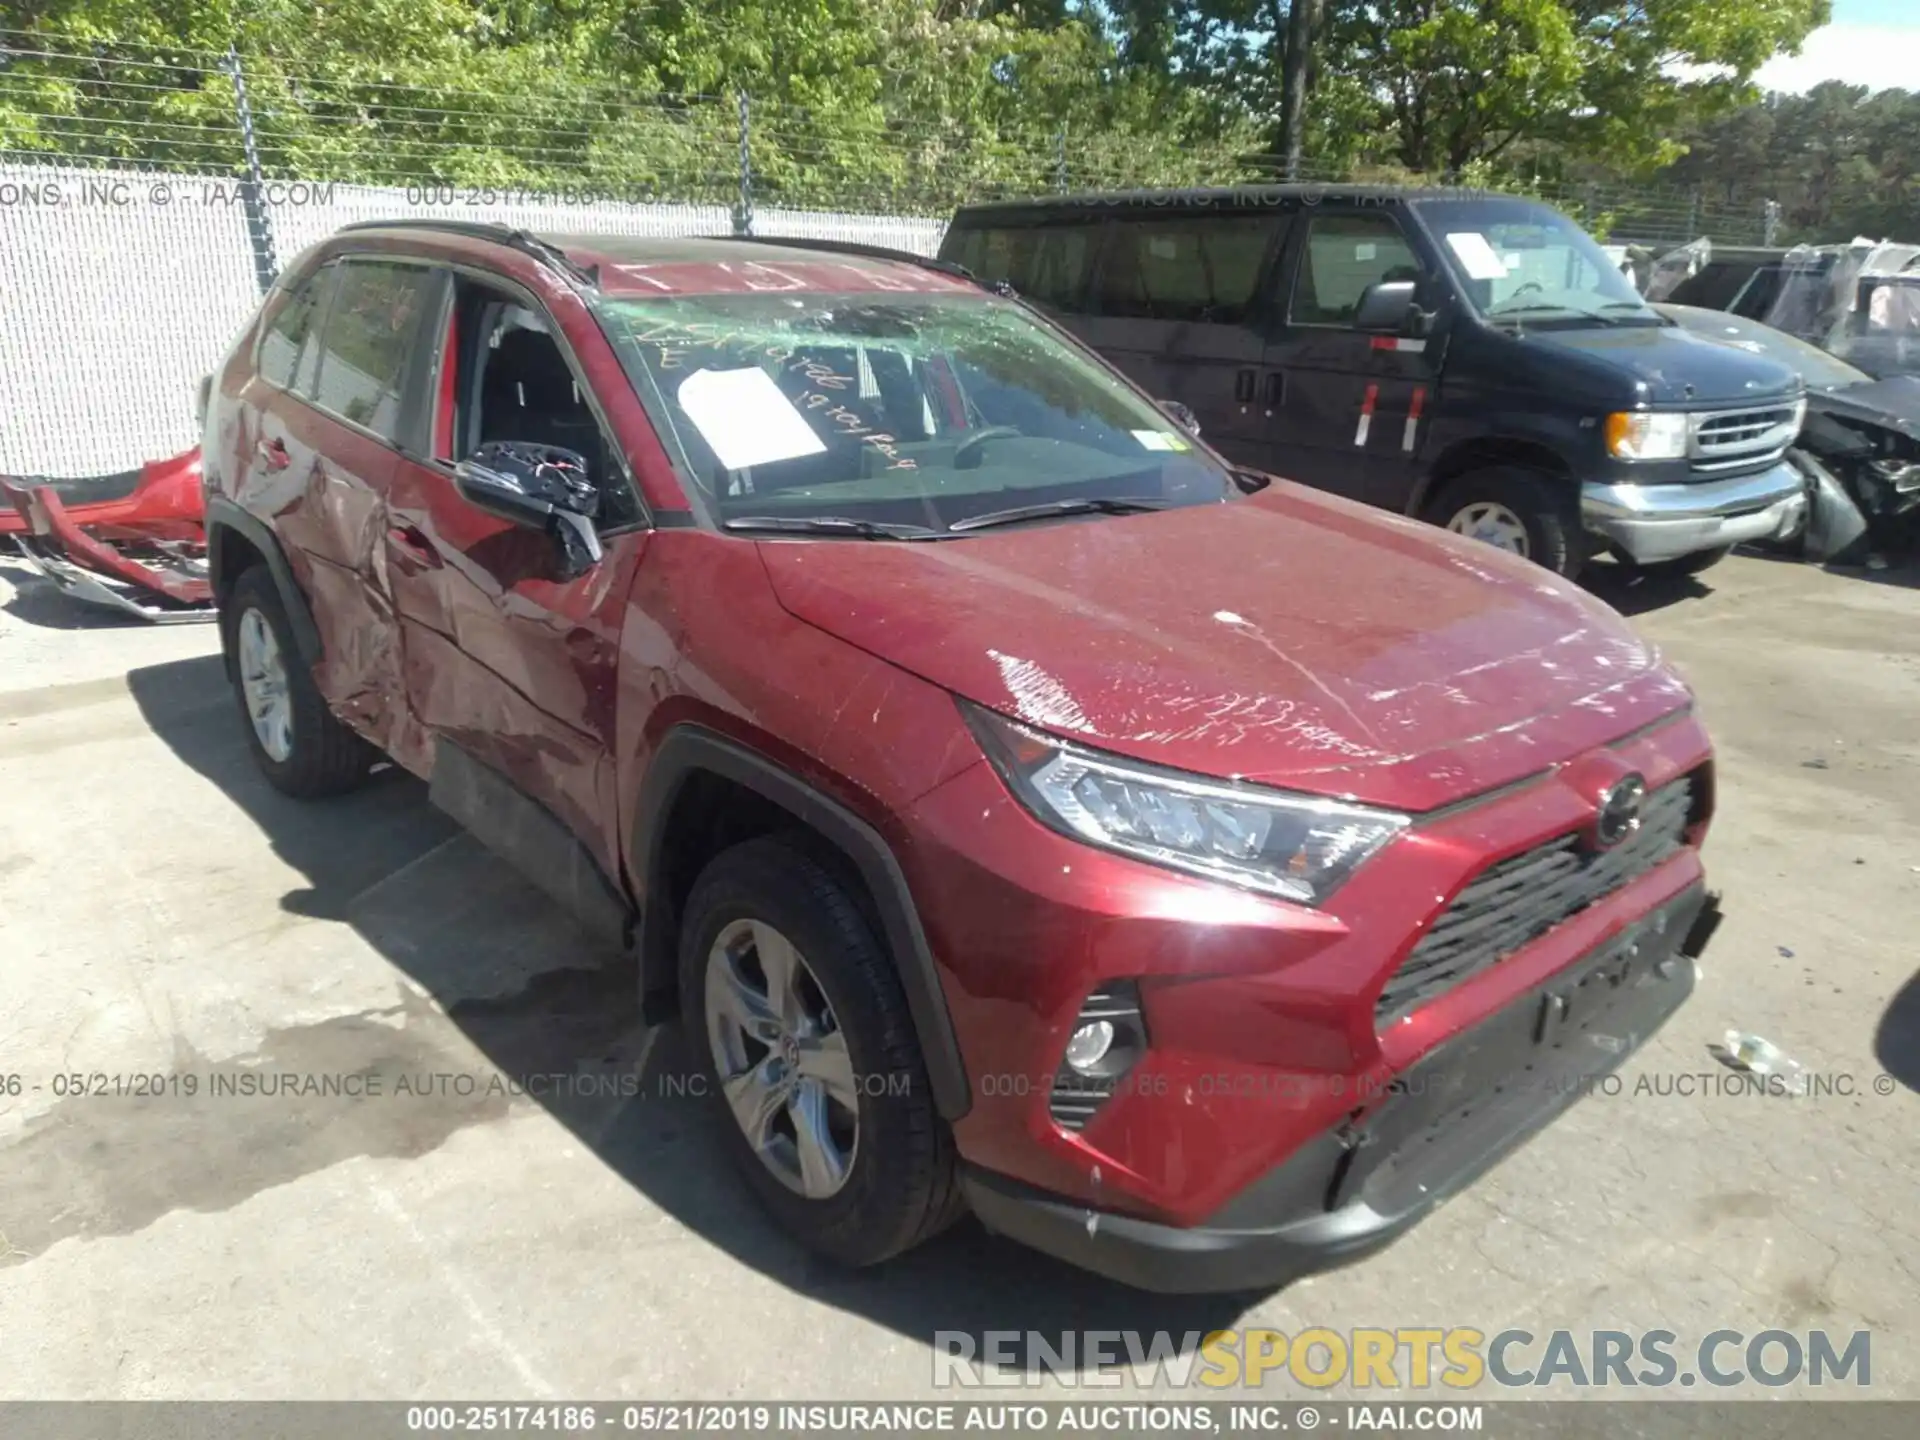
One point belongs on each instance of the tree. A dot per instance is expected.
(1464, 80)
(1303, 20)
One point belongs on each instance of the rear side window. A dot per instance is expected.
(1045, 263)
(370, 333)
(292, 331)
(1345, 256)
(1199, 268)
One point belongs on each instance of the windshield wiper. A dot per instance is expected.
(1571, 312)
(1098, 505)
(830, 525)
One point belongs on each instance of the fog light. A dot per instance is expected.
(1089, 1045)
(1108, 1039)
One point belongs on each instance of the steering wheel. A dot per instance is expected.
(971, 445)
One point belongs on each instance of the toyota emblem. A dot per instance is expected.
(1619, 814)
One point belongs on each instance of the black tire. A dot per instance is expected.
(326, 757)
(1545, 505)
(1687, 564)
(901, 1187)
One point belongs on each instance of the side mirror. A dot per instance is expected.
(542, 487)
(1386, 306)
(1181, 416)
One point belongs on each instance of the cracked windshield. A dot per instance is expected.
(928, 415)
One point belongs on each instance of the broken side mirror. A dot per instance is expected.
(1386, 307)
(1182, 416)
(542, 487)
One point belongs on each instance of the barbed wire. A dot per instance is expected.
(147, 105)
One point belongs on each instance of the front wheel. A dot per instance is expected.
(1524, 512)
(796, 1017)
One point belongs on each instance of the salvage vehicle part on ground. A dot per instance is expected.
(132, 542)
(1859, 447)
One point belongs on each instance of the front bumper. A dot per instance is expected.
(1652, 523)
(1444, 1123)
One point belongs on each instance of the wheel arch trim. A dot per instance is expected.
(225, 515)
(689, 749)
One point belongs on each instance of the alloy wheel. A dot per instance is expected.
(781, 1059)
(263, 686)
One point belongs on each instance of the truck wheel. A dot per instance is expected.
(1524, 512)
(795, 1014)
(303, 750)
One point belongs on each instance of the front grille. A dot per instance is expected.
(1728, 439)
(1518, 900)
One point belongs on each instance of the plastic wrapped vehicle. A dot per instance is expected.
(134, 541)
(1860, 301)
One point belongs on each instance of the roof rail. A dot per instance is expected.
(522, 240)
(855, 247)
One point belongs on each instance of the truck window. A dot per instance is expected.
(1045, 263)
(1200, 268)
(1345, 255)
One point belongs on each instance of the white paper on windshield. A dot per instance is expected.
(1159, 440)
(1480, 258)
(744, 416)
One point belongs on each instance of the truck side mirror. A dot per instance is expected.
(1386, 306)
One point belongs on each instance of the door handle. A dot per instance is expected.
(411, 546)
(273, 454)
(1243, 387)
(1275, 390)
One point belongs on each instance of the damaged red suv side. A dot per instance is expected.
(1196, 876)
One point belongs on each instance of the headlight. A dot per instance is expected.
(1644, 435)
(1299, 847)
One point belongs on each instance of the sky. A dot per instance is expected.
(1870, 42)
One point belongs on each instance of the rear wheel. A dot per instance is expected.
(1524, 512)
(300, 746)
(796, 1016)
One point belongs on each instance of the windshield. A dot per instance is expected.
(1515, 259)
(1820, 370)
(917, 412)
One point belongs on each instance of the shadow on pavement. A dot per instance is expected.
(536, 997)
(1635, 592)
(1896, 1044)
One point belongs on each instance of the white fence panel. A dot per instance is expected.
(120, 289)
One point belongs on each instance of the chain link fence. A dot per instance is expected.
(148, 197)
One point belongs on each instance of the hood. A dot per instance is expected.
(1668, 365)
(1893, 402)
(1289, 637)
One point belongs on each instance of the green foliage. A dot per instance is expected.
(918, 104)
(1840, 161)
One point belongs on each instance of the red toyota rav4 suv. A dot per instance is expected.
(1195, 876)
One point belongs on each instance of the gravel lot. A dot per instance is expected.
(163, 912)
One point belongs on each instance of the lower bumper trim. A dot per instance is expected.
(1653, 523)
(1327, 1205)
